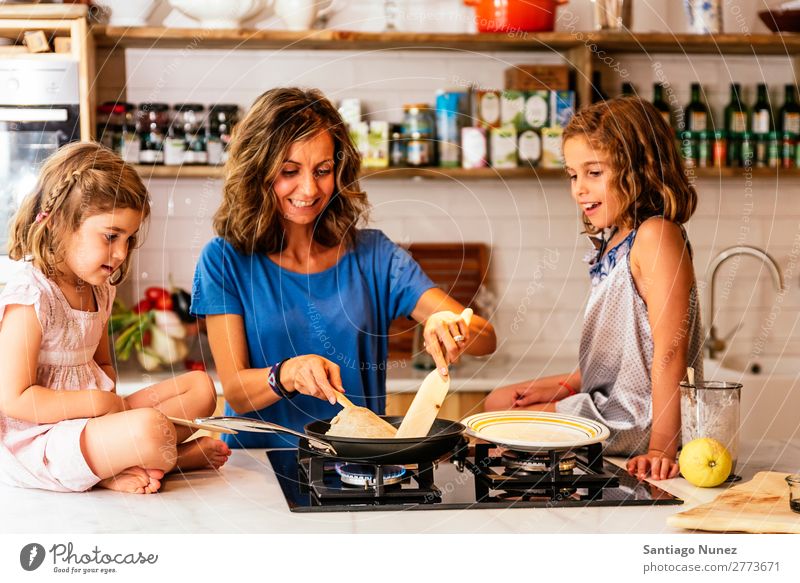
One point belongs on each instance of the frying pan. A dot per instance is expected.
(443, 438)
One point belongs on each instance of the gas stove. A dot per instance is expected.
(477, 476)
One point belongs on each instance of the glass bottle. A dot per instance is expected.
(628, 89)
(789, 117)
(660, 104)
(762, 113)
(697, 116)
(736, 123)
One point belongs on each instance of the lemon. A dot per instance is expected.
(705, 462)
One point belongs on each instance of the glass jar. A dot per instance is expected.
(189, 125)
(397, 150)
(704, 159)
(773, 150)
(153, 122)
(110, 118)
(720, 149)
(746, 150)
(788, 147)
(221, 120)
(689, 149)
(418, 133)
(711, 409)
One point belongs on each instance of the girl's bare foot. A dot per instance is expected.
(134, 480)
(200, 453)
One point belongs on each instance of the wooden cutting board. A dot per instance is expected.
(759, 506)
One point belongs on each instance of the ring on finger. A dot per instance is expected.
(458, 338)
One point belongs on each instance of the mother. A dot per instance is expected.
(298, 299)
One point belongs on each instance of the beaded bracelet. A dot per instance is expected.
(274, 381)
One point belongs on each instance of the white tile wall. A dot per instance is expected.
(537, 271)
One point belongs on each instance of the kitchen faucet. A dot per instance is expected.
(714, 344)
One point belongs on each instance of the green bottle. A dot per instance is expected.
(697, 117)
(660, 104)
(789, 117)
(628, 89)
(762, 113)
(736, 113)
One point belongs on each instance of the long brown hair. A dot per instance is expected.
(647, 170)
(78, 181)
(249, 217)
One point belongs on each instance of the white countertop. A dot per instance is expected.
(473, 374)
(244, 497)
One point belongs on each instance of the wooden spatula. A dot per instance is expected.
(428, 400)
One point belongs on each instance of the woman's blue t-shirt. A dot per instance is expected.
(342, 314)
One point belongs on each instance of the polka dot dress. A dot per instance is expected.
(616, 354)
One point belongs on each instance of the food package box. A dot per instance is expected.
(503, 147)
(529, 148)
(512, 109)
(473, 148)
(488, 103)
(538, 77)
(359, 134)
(36, 41)
(537, 109)
(562, 107)
(552, 156)
(62, 44)
(377, 145)
(350, 110)
(450, 106)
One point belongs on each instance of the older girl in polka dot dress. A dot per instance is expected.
(642, 323)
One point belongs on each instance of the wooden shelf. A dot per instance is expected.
(436, 173)
(395, 173)
(152, 37)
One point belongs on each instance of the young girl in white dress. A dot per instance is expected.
(62, 425)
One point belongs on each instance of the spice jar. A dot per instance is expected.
(221, 119)
(747, 150)
(153, 122)
(719, 149)
(704, 159)
(788, 147)
(110, 117)
(397, 152)
(773, 150)
(189, 126)
(689, 149)
(418, 128)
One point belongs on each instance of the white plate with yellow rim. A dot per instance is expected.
(535, 430)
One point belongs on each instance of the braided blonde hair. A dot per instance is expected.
(80, 180)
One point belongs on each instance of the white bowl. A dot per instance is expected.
(219, 13)
(127, 12)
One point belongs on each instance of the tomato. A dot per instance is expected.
(155, 293)
(147, 338)
(194, 364)
(164, 303)
(142, 307)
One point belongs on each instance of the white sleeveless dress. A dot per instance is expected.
(48, 456)
(616, 353)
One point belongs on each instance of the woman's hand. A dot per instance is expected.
(446, 336)
(660, 466)
(312, 375)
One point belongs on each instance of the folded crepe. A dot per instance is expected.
(359, 422)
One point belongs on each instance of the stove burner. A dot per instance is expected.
(519, 462)
(363, 475)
